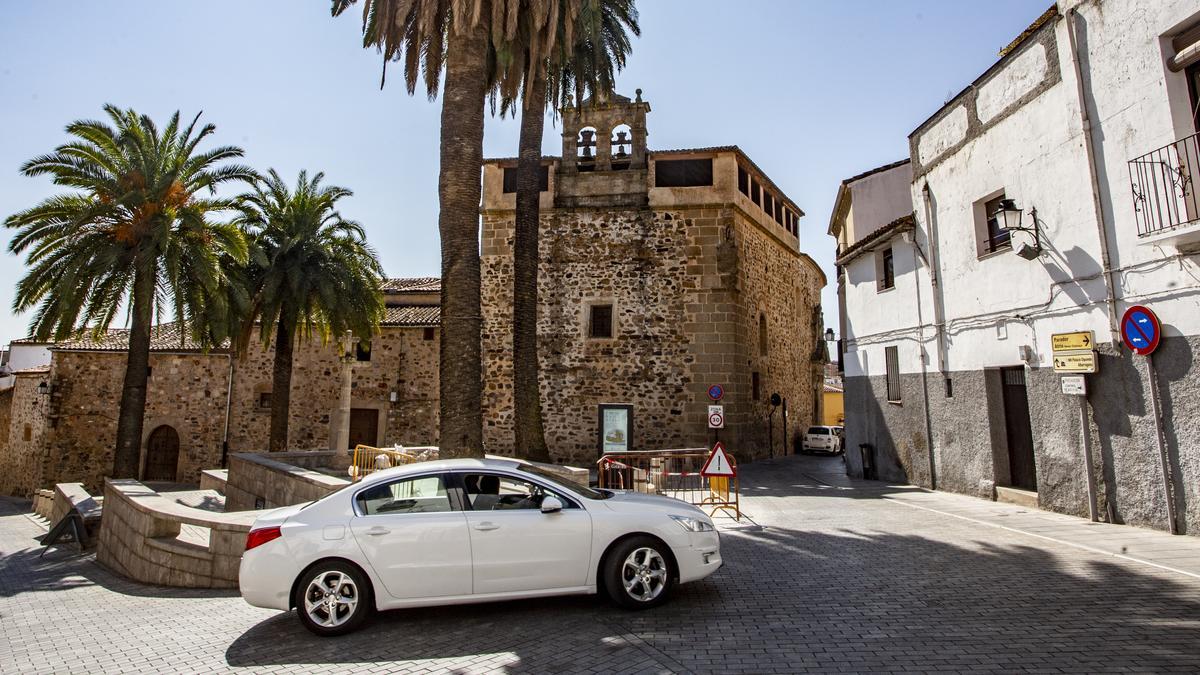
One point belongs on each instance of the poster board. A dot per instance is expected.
(615, 428)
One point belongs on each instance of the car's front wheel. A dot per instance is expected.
(333, 598)
(638, 574)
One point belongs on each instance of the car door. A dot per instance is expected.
(415, 537)
(514, 546)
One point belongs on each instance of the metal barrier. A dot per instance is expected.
(368, 460)
(673, 473)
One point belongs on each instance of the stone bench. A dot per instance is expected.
(139, 538)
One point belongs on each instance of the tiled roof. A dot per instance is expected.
(36, 370)
(163, 338)
(412, 285)
(415, 315)
(886, 232)
(876, 170)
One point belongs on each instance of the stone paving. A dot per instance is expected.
(840, 577)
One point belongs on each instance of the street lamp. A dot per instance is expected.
(44, 388)
(1008, 215)
(829, 337)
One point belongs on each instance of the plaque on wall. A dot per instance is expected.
(616, 427)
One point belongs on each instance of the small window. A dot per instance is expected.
(949, 388)
(600, 322)
(510, 179)
(892, 357)
(426, 494)
(762, 334)
(887, 270)
(755, 191)
(683, 172)
(755, 388)
(264, 400)
(768, 203)
(427, 334)
(779, 212)
(362, 350)
(491, 492)
(997, 237)
(27, 433)
(743, 181)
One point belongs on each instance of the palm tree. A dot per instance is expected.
(473, 40)
(136, 232)
(312, 273)
(588, 63)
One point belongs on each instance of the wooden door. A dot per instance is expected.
(364, 427)
(1022, 468)
(162, 454)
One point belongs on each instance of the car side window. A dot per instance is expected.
(424, 494)
(494, 492)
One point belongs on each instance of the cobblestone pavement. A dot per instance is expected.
(838, 578)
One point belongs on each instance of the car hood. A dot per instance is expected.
(623, 500)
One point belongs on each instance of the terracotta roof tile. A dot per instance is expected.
(413, 285)
(415, 315)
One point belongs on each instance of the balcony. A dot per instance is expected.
(1166, 206)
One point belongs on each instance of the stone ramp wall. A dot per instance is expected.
(277, 479)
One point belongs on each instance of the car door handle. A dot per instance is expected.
(484, 527)
(377, 531)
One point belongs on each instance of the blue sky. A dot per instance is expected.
(813, 92)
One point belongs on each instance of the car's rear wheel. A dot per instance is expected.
(638, 573)
(333, 598)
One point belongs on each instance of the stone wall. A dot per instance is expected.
(22, 454)
(6, 398)
(139, 538)
(687, 286)
(69, 435)
(277, 479)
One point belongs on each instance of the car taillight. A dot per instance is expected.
(261, 536)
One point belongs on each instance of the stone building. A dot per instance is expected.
(1083, 135)
(662, 273)
(59, 420)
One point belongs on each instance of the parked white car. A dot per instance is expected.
(467, 530)
(822, 439)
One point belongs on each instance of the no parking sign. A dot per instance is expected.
(1141, 330)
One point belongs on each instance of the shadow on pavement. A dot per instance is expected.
(797, 599)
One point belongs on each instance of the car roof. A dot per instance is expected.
(443, 465)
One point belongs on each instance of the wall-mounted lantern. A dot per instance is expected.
(829, 337)
(1008, 215)
(44, 388)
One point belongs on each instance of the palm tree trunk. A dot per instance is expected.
(126, 458)
(281, 381)
(530, 435)
(460, 370)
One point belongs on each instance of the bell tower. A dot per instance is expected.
(604, 153)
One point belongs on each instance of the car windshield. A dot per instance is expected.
(818, 431)
(581, 490)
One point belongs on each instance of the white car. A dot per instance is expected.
(468, 530)
(822, 439)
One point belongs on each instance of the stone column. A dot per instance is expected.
(339, 434)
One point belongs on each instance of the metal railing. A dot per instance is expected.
(673, 473)
(368, 460)
(1163, 183)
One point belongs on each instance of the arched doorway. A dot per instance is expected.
(162, 454)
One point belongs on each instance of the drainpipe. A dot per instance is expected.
(939, 321)
(924, 367)
(1097, 206)
(228, 407)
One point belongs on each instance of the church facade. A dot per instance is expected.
(662, 273)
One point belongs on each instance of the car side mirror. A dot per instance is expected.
(551, 504)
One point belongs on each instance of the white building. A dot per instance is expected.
(1087, 124)
(21, 357)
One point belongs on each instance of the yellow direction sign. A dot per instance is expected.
(1082, 361)
(1068, 342)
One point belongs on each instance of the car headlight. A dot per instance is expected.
(693, 524)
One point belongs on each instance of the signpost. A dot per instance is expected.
(1074, 385)
(716, 417)
(1074, 353)
(1141, 331)
(1065, 342)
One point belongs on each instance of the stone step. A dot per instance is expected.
(1011, 495)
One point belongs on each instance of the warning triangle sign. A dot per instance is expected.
(718, 463)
